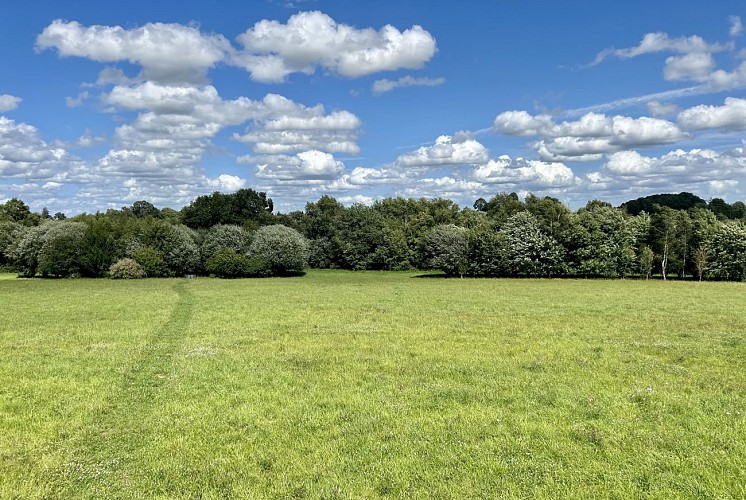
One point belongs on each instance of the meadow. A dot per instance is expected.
(372, 384)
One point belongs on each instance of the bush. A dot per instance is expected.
(227, 263)
(151, 261)
(446, 248)
(60, 251)
(224, 236)
(283, 248)
(126, 269)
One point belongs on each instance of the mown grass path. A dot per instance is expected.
(100, 454)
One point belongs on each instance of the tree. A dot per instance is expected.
(245, 206)
(222, 236)
(729, 252)
(502, 206)
(142, 209)
(701, 256)
(488, 252)
(446, 248)
(530, 252)
(16, 211)
(646, 258)
(9, 233)
(177, 244)
(24, 252)
(284, 249)
(60, 250)
(97, 249)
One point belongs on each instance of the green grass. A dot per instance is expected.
(365, 385)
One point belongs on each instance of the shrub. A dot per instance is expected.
(283, 248)
(60, 250)
(445, 247)
(126, 269)
(227, 263)
(224, 236)
(151, 261)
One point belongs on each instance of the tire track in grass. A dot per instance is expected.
(99, 453)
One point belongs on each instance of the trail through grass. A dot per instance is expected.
(350, 385)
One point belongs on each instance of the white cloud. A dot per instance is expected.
(313, 39)
(356, 199)
(525, 174)
(589, 137)
(227, 183)
(447, 150)
(657, 108)
(696, 168)
(692, 66)
(24, 154)
(521, 123)
(166, 52)
(730, 116)
(736, 26)
(9, 102)
(74, 102)
(661, 42)
(287, 127)
(692, 61)
(305, 166)
(385, 85)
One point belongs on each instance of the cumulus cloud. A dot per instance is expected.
(305, 166)
(730, 116)
(698, 170)
(308, 40)
(589, 137)
(9, 102)
(385, 85)
(447, 150)
(24, 154)
(692, 59)
(524, 174)
(166, 52)
(287, 127)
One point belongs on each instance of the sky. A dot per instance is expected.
(103, 104)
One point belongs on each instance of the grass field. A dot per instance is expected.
(361, 385)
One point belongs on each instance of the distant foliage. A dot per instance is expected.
(283, 248)
(530, 252)
(24, 253)
(446, 248)
(60, 254)
(126, 269)
(223, 236)
(227, 263)
(677, 236)
(728, 249)
(151, 261)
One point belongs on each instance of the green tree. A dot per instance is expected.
(530, 251)
(729, 252)
(446, 247)
(222, 236)
(244, 207)
(60, 250)
(284, 249)
(98, 249)
(24, 252)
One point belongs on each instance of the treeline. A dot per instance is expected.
(234, 235)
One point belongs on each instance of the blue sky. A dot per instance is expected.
(104, 104)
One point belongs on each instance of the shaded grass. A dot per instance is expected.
(356, 385)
